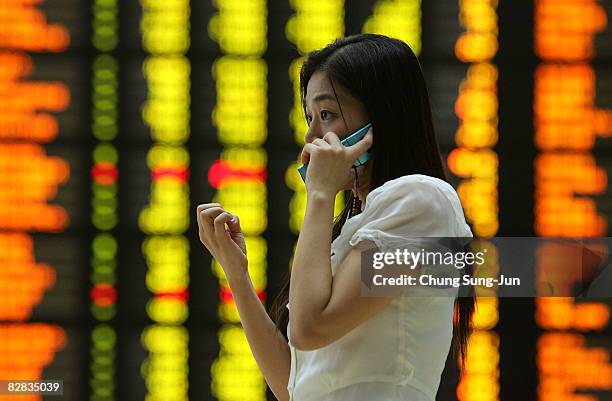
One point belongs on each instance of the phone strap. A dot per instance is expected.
(356, 203)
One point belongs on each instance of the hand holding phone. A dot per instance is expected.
(348, 141)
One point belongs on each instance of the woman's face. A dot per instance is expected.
(323, 115)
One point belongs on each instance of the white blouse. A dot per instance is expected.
(399, 353)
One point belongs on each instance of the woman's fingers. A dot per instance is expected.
(362, 146)
(226, 246)
(221, 233)
(321, 143)
(234, 224)
(203, 207)
(306, 151)
(206, 218)
(332, 139)
(212, 212)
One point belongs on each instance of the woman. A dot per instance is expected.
(336, 344)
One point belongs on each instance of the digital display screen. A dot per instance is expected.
(117, 118)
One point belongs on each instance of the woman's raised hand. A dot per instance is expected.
(227, 246)
(330, 162)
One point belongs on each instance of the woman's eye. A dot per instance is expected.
(324, 115)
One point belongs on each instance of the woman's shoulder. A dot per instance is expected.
(419, 193)
(420, 183)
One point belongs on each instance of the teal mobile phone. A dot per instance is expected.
(348, 141)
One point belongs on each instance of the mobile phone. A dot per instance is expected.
(348, 141)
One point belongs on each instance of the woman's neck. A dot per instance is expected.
(364, 180)
(362, 192)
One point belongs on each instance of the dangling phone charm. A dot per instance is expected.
(356, 204)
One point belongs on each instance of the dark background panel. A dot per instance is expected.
(67, 304)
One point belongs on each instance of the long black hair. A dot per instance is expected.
(385, 75)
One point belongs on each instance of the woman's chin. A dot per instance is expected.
(347, 186)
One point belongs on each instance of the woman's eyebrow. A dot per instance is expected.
(322, 96)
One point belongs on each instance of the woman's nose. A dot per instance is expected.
(311, 136)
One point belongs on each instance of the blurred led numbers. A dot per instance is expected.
(104, 198)
(239, 176)
(29, 179)
(566, 175)
(476, 163)
(165, 32)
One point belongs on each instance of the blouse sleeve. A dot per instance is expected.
(402, 216)
(396, 215)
